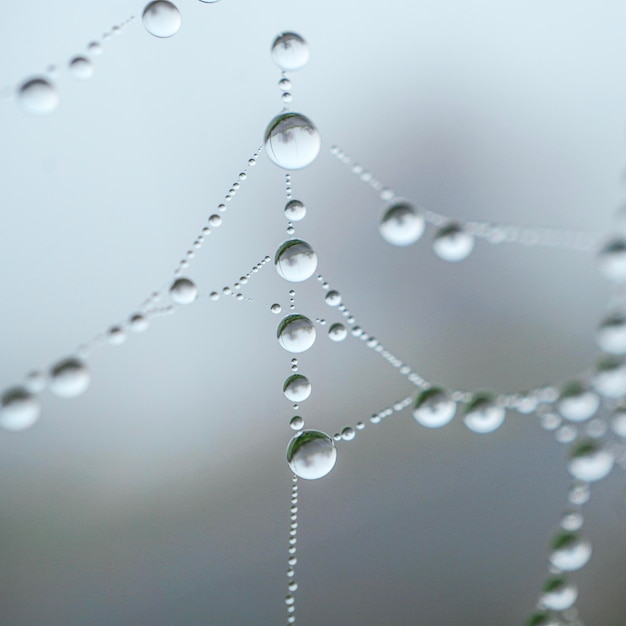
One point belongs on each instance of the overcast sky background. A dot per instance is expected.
(161, 496)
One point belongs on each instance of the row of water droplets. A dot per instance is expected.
(39, 95)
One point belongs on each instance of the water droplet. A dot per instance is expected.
(569, 552)
(38, 96)
(183, 291)
(296, 333)
(577, 403)
(116, 335)
(337, 332)
(284, 84)
(611, 335)
(578, 494)
(434, 408)
(161, 18)
(290, 51)
(295, 211)
(589, 461)
(19, 409)
(286, 97)
(94, 48)
(610, 377)
(81, 68)
(276, 308)
(482, 415)
(401, 224)
(348, 433)
(138, 323)
(558, 594)
(292, 141)
(618, 422)
(296, 423)
(69, 378)
(297, 388)
(311, 454)
(572, 520)
(333, 298)
(295, 260)
(613, 260)
(215, 220)
(452, 243)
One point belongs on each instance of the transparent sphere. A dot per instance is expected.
(589, 461)
(38, 96)
(138, 323)
(183, 291)
(19, 409)
(81, 68)
(401, 224)
(482, 415)
(611, 336)
(572, 520)
(296, 423)
(295, 211)
(297, 388)
(161, 18)
(292, 141)
(613, 260)
(290, 51)
(577, 403)
(69, 378)
(618, 422)
(348, 433)
(296, 333)
(337, 332)
(434, 408)
(311, 454)
(452, 243)
(295, 260)
(569, 552)
(333, 298)
(610, 377)
(558, 594)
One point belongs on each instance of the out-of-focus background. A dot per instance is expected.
(161, 496)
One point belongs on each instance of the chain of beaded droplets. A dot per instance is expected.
(292, 141)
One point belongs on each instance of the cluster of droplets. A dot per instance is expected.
(292, 585)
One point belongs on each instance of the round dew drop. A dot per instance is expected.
(577, 403)
(589, 462)
(69, 378)
(295, 260)
(558, 594)
(569, 552)
(337, 332)
(311, 454)
(183, 291)
(295, 211)
(296, 333)
(38, 96)
(290, 51)
(610, 378)
(333, 298)
(401, 224)
(618, 422)
(19, 409)
(452, 243)
(611, 334)
(81, 68)
(292, 141)
(296, 423)
(482, 415)
(161, 18)
(297, 388)
(434, 408)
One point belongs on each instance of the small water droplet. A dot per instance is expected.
(610, 377)
(296, 333)
(348, 433)
(558, 594)
(337, 332)
(401, 224)
(452, 243)
(161, 18)
(295, 211)
(215, 220)
(296, 423)
(292, 141)
(19, 409)
(333, 298)
(482, 415)
(81, 68)
(69, 378)
(311, 454)
(297, 388)
(618, 422)
(94, 48)
(138, 323)
(590, 462)
(290, 51)
(295, 260)
(183, 291)
(116, 335)
(569, 552)
(276, 308)
(577, 403)
(38, 96)
(434, 408)
(286, 97)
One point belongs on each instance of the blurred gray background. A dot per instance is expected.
(161, 496)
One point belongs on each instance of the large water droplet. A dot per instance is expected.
(296, 333)
(292, 141)
(19, 409)
(295, 211)
(577, 403)
(613, 260)
(311, 454)
(452, 243)
(81, 68)
(38, 96)
(569, 552)
(297, 388)
(482, 415)
(434, 408)
(183, 291)
(612, 334)
(589, 461)
(558, 594)
(161, 18)
(401, 224)
(295, 260)
(290, 51)
(69, 378)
